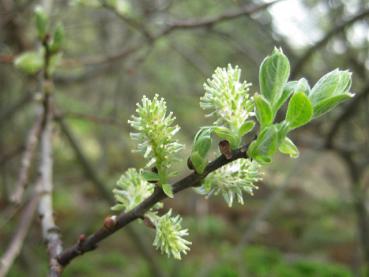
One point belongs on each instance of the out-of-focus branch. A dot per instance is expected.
(16, 243)
(328, 36)
(243, 10)
(26, 99)
(196, 62)
(137, 25)
(178, 25)
(30, 147)
(358, 197)
(6, 157)
(88, 170)
(91, 118)
(347, 113)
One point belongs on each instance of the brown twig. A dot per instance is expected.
(125, 218)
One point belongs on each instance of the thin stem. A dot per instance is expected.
(16, 243)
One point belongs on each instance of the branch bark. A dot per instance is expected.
(50, 232)
(324, 40)
(122, 220)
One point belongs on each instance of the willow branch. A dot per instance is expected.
(16, 243)
(50, 232)
(91, 174)
(122, 220)
(324, 40)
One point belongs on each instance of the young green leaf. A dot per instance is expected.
(246, 127)
(334, 83)
(199, 163)
(30, 62)
(299, 111)
(225, 133)
(288, 90)
(167, 188)
(289, 148)
(273, 76)
(330, 90)
(328, 104)
(200, 149)
(302, 86)
(264, 112)
(202, 141)
(150, 176)
(265, 145)
(55, 61)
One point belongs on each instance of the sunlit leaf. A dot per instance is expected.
(299, 111)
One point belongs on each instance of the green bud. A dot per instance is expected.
(299, 111)
(57, 39)
(29, 62)
(200, 149)
(246, 127)
(264, 112)
(41, 22)
(289, 148)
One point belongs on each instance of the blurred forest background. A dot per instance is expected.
(309, 216)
